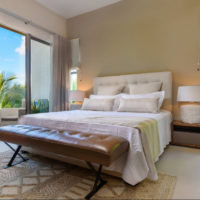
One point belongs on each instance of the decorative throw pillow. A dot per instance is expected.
(98, 104)
(160, 95)
(146, 105)
(143, 88)
(109, 90)
(116, 99)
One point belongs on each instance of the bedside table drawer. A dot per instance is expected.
(75, 107)
(187, 129)
(186, 138)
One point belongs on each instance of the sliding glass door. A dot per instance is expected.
(25, 74)
(12, 75)
(40, 75)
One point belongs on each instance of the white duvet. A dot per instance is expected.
(133, 167)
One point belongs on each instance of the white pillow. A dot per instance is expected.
(143, 88)
(109, 90)
(116, 99)
(98, 104)
(146, 105)
(160, 95)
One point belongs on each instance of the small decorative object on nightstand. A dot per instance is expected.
(190, 112)
(76, 98)
(185, 134)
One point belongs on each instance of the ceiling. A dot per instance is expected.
(72, 8)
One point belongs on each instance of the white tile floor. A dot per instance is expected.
(184, 163)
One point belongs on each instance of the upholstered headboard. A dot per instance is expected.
(164, 77)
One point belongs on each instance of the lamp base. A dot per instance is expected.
(190, 114)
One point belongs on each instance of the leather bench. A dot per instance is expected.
(92, 148)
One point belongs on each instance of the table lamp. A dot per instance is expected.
(190, 110)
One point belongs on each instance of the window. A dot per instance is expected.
(12, 68)
(73, 79)
(20, 80)
(40, 75)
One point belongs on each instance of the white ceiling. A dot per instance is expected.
(72, 8)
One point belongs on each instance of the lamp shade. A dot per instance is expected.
(189, 93)
(76, 95)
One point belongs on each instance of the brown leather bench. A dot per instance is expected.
(92, 148)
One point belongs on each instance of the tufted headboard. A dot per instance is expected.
(164, 77)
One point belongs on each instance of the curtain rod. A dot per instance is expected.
(26, 21)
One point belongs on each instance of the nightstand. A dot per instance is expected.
(184, 134)
(75, 106)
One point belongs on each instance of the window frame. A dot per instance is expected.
(73, 71)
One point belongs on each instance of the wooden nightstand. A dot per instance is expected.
(184, 134)
(75, 106)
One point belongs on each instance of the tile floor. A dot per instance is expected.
(182, 162)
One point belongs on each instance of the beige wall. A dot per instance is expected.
(136, 36)
(35, 12)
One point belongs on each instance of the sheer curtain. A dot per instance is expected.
(60, 74)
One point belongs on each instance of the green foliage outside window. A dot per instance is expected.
(13, 97)
(74, 85)
(73, 80)
(40, 106)
(10, 95)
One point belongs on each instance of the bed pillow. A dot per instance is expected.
(160, 95)
(110, 90)
(143, 88)
(98, 104)
(116, 99)
(146, 105)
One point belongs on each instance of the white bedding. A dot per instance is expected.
(133, 167)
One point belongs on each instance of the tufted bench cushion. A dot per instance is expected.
(101, 149)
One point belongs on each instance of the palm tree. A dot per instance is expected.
(4, 85)
(13, 98)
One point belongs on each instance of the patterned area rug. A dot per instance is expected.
(42, 178)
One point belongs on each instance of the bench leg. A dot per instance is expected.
(99, 182)
(16, 152)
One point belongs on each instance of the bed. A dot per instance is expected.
(136, 165)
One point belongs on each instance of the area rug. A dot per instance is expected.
(42, 178)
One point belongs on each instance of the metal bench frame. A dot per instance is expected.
(16, 152)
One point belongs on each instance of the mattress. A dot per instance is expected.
(134, 167)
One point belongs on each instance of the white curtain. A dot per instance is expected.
(60, 74)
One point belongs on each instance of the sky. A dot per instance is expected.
(12, 54)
